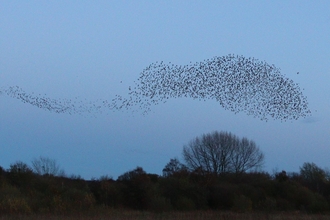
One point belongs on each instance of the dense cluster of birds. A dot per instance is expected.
(237, 83)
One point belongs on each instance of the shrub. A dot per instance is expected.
(221, 196)
(74, 199)
(12, 201)
(160, 204)
(269, 204)
(184, 204)
(319, 204)
(14, 206)
(284, 205)
(256, 194)
(242, 204)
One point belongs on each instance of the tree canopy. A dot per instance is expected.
(222, 152)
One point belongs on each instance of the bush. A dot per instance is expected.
(160, 204)
(15, 206)
(269, 204)
(284, 205)
(184, 204)
(74, 199)
(12, 201)
(255, 194)
(221, 196)
(319, 204)
(242, 204)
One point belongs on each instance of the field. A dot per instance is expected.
(199, 215)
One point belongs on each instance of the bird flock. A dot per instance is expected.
(237, 83)
(70, 106)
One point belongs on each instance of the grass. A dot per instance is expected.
(198, 215)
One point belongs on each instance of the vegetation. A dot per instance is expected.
(46, 166)
(193, 215)
(222, 152)
(26, 192)
(45, 189)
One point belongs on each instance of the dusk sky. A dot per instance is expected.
(95, 50)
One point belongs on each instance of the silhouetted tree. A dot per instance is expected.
(20, 174)
(136, 188)
(222, 152)
(246, 156)
(107, 191)
(19, 167)
(314, 177)
(281, 176)
(172, 167)
(2, 174)
(46, 166)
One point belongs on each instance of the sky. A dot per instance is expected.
(95, 50)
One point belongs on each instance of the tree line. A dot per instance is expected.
(220, 172)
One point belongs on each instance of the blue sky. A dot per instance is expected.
(97, 49)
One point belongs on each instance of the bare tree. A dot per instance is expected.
(47, 166)
(222, 152)
(246, 156)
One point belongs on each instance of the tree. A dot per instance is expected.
(172, 167)
(246, 156)
(314, 177)
(281, 176)
(137, 173)
(222, 152)
(46, 166)
(20, 174)
(136, 188)
(19, 167)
